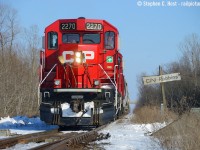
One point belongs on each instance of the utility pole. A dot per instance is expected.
(163, 90)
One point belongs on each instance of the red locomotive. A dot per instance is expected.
(81, 73)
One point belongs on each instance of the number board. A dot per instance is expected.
(68, 26)
(93, 26)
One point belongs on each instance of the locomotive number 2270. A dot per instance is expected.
(93, 26)
(68, 26)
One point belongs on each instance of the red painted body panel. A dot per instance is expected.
(83, 75)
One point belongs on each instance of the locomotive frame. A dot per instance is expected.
(81, 74)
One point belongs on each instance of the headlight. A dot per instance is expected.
(78, 60)
(78, 57)
(57, 82)
(78, 54)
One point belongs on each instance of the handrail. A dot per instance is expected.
(116, 91)
(43, 81)
(115, 85)
(47, 75)
(107, 75)
(115, 73)
(42, 64)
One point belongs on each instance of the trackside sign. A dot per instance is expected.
(161, 78)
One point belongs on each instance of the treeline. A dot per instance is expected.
(180, 95)
(19, 49)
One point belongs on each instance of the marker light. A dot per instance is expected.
(57, 82)
(96, 82)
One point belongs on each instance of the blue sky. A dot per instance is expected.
(150, 36)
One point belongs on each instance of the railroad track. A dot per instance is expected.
(5, 143)
(55, 139)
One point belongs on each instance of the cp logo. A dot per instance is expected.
(69, 56)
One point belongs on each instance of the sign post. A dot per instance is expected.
(162, 79)
(163, 90)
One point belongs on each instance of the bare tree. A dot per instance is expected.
(9, 27)
(3, 18)
(191, 56)
(148, 94)
(186, 93)
(13, 28)
(182, 94)
(18, 66)
(32, 49)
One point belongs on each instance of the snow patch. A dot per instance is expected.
(24, 125)
(150, 128)
(67, 111)
(125, 135)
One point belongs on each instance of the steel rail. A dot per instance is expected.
(58, 140)
(5, 143)
(71, 141)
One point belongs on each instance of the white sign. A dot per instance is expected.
(161, 78)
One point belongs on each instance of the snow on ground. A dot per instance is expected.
(24, 125)
(125, 135)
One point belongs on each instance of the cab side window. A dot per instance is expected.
(52, 40)
(109, 41)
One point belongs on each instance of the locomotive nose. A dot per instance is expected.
(79, 65)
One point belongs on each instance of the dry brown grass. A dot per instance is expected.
(152, 114)
(183, 134)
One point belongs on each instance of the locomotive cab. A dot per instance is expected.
(81, 73)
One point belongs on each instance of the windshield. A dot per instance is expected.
(91, 38)
(88, 38)
(70, 38)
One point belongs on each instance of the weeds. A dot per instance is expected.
(181, 134)
(152, 114)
